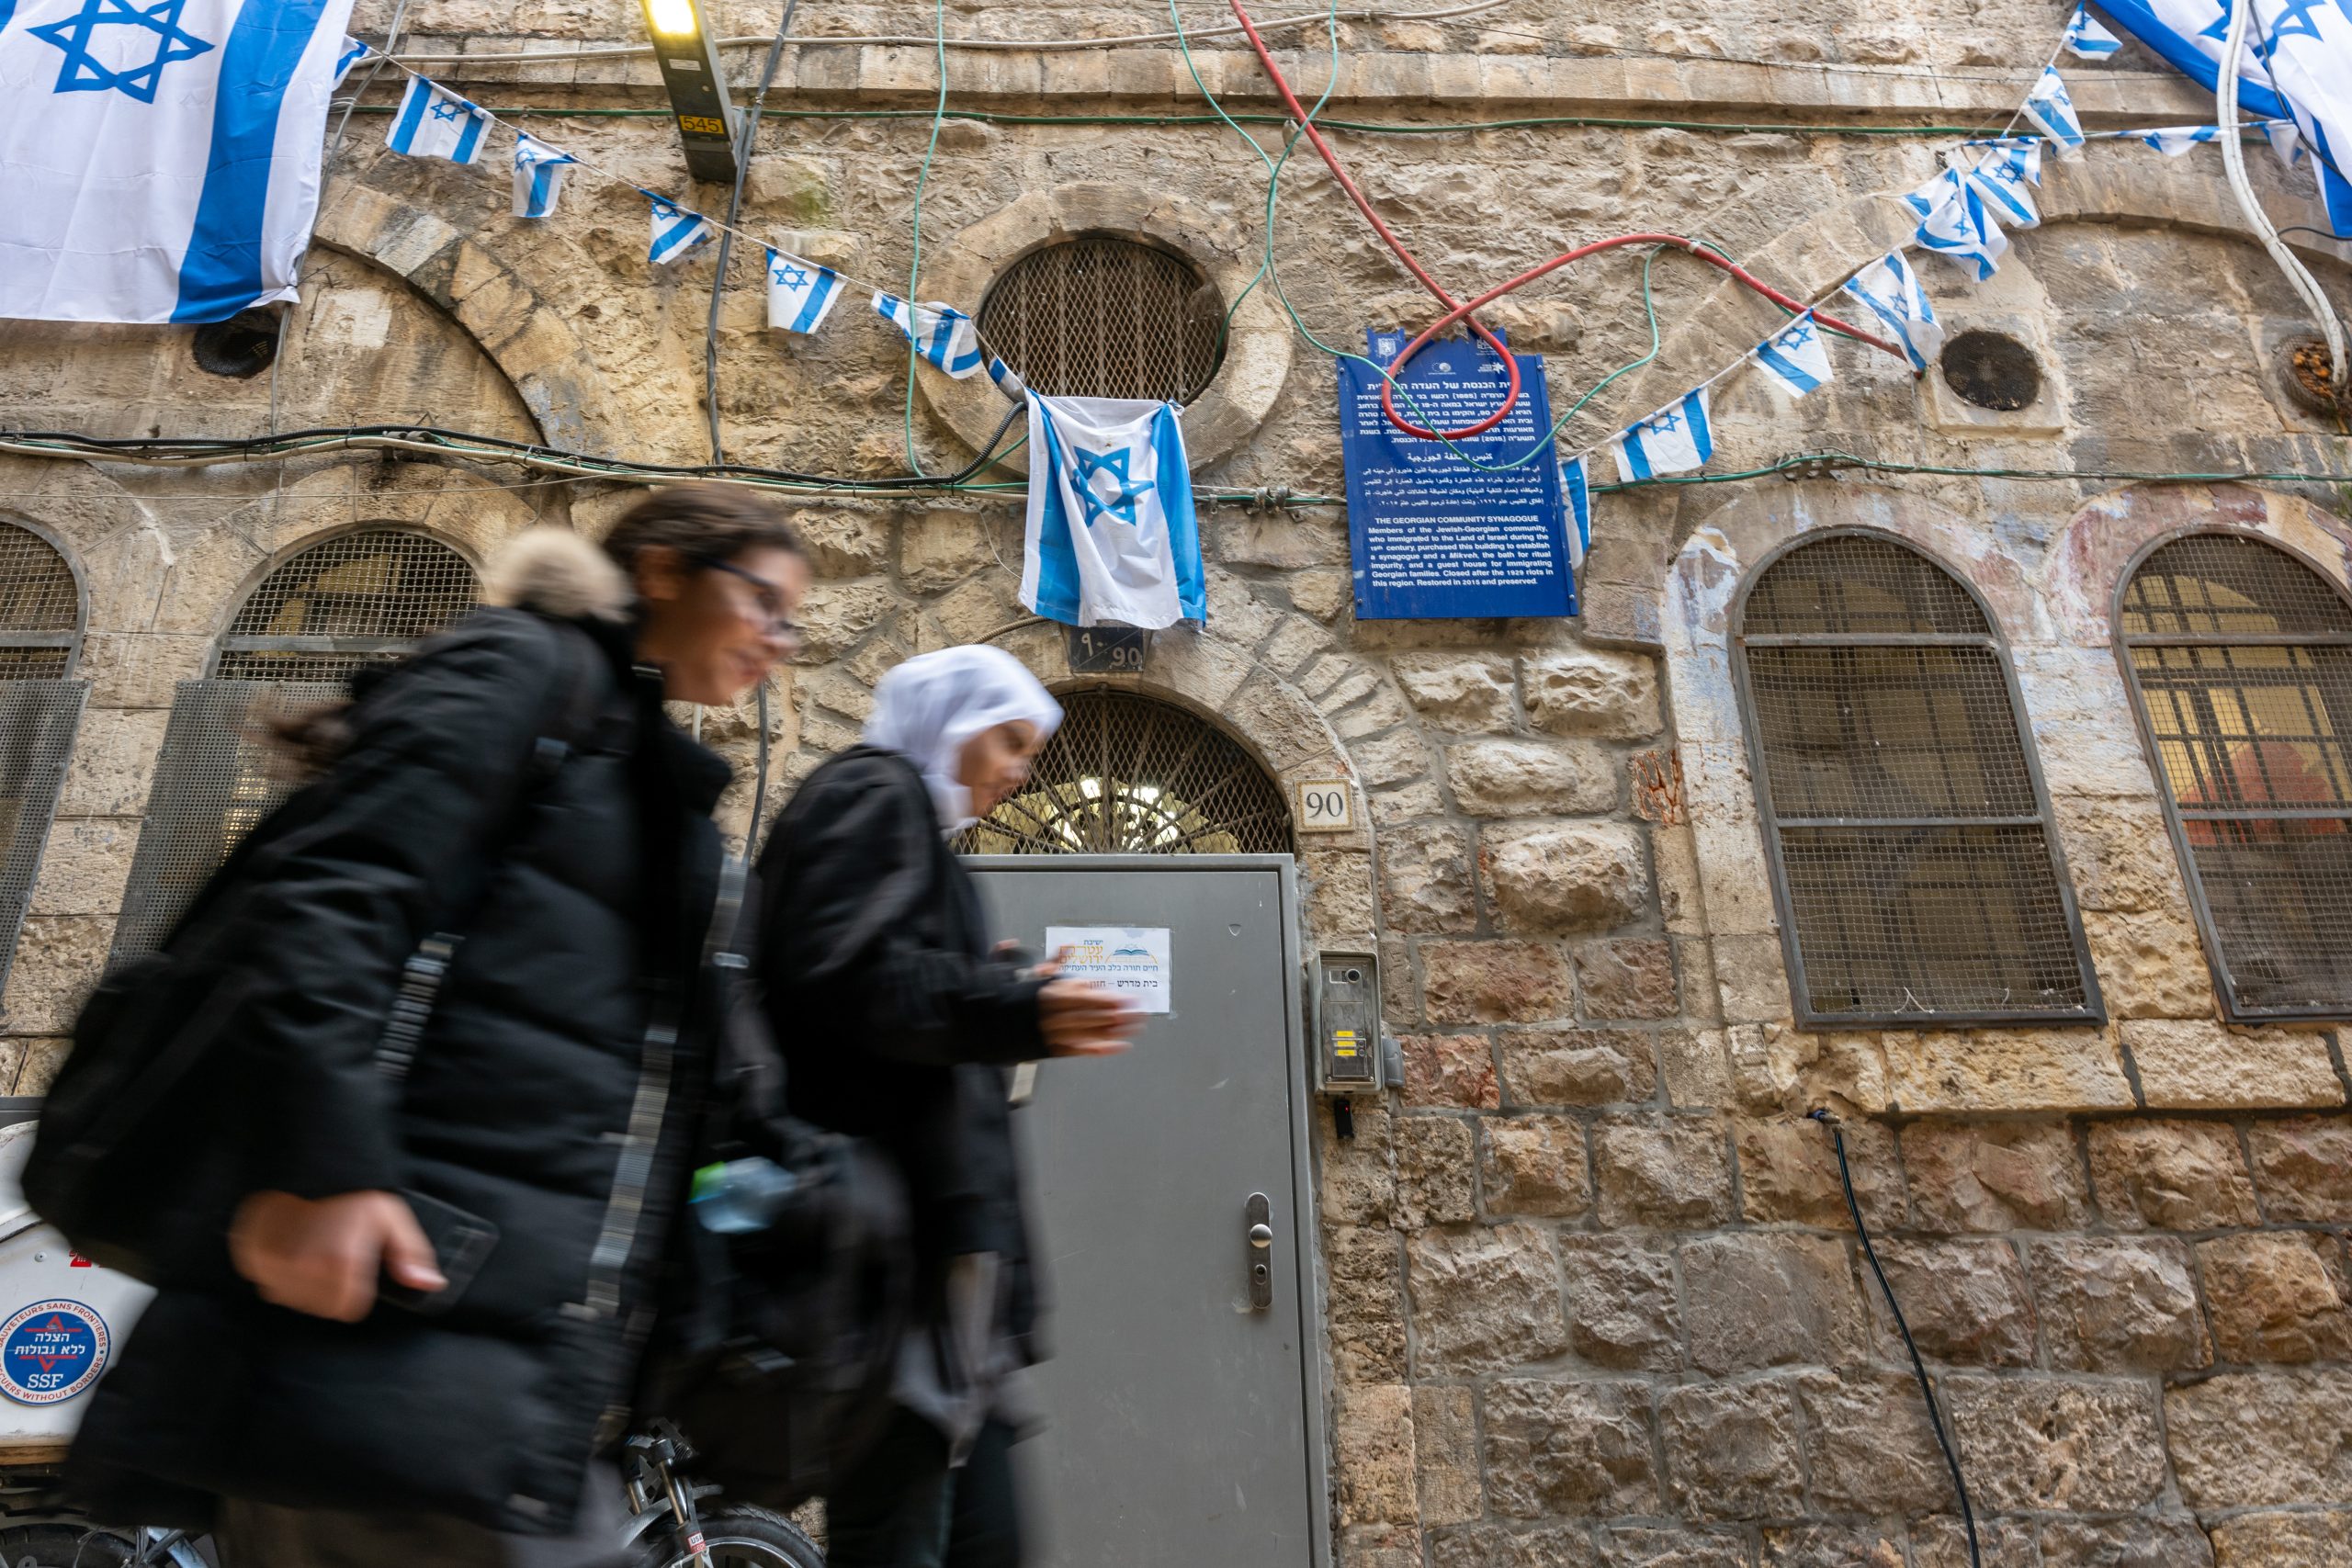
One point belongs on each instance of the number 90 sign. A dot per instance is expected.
(1324, 805)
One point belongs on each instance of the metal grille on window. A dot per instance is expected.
(1904, 817)
(356, 600)
(1098, 316)
(2240, 660)
(41, 712)
(1130, 774)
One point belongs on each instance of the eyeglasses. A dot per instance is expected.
(769, 596)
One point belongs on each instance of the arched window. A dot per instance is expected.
(41, 711)
(1905, 819)
(2239, 659)
(1130, 774)
(313, 621)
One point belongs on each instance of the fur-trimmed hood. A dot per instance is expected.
(556, 572)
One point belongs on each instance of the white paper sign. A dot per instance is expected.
(1130, 960)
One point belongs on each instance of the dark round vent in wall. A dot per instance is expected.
(241, 347)
(1992, 370)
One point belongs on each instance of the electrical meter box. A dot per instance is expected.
(1347, 1046)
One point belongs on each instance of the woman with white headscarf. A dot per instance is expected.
(899, 1022)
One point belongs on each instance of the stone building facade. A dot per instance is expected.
(1591, 1292)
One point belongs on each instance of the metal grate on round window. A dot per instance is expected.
(1905, 819)
(2240, 660)
(1098, 316)
(1130, 774)
(40, 607)
(357, 599)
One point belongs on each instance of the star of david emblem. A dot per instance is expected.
(1663, 424)
(1121, 505)
(2220, 27)
(792, 278)
(663, 209)
(1797, 336)
(56, 1325)
(2297, 19)
(445, 110)
(86, 73)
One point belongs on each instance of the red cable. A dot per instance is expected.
(1331, 161)
(1458, 311)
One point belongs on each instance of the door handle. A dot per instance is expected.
(1258, 1214)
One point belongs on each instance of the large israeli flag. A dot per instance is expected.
(2297, 66)
(1112, 538)
(160, 162)
(1676, 438)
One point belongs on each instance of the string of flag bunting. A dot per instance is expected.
(431, 121)
(1986, 183)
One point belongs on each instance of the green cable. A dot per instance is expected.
(914, 267)
(1360, 127)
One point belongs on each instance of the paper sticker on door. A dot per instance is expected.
(1130, 960)
(51, 1351)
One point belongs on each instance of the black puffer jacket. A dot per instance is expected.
(895, 1021)
(544, 1097)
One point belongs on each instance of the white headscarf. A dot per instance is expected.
(927, 708)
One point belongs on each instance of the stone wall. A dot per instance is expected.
(1591, 1293)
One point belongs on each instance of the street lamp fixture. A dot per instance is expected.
(688, 55)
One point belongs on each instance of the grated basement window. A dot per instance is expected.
(41, 712)
(1905, 819)
(357, 599)
(1130, 774)
(353, 601)
(2239, 659)
(1098, 316)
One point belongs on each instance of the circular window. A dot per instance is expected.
(1100, 316)
(240, 349)
(1130, 774)
(1992, 370)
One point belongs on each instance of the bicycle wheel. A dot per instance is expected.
(745, 1536)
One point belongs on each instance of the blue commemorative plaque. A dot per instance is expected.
(1433, 535)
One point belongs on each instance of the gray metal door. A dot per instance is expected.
(1183, 1425)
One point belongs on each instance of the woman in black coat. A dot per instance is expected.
(517, 783)
(898, 1022)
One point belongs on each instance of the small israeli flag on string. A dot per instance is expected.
(1795, 356)
(800, 294)
(676, 230)
(1676, 438)
(1575, 488)
(1007, 379)
(538, 175)
(941, 333)
(1954, 224)
(353, 51)
(2004, 177)
(2086, 40)
(1891, 289)
(2172, 140)
(2050, 107)
(433, 123)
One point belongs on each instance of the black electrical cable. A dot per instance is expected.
(1919, 1367)
(428, 435)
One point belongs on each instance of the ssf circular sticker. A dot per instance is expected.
(51, 1351)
